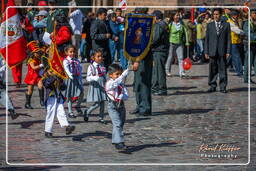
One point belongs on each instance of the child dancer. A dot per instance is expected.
(117, 93)
(54, 103)
(96, 76)
(74, 84)
(33, 77)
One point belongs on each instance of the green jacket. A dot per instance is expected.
(50, 19)
(178, 36)
(190, 29)
(252, 32)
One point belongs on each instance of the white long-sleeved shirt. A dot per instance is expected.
(2, 69)
(69, 63)
(92, 72)
(76, 21)
(116, 89)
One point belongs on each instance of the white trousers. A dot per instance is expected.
(54, 108)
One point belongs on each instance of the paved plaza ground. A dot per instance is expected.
(182, 122)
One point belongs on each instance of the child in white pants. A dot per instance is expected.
(54, 104)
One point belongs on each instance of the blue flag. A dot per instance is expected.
(138, 36)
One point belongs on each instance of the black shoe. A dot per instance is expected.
(120, 146)
(79, 111)
(223, 90)
(13, 114)
(136, 111)
(28, 101)
(70, 129)
(71, 115)
(212, 89)
(86, 117)
(102, 121)
(48, 134)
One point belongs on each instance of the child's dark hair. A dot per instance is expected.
(101, 11)
(96, 51)
(69, 47)
(114, 68)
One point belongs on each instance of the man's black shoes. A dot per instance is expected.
(48, 134)
(212, 89)
(120, 146)
(70, 129)
(223, 90)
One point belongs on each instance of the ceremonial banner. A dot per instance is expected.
(55, 62)
(12, 40)
(138, 36)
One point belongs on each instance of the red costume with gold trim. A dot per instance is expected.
(33, 77)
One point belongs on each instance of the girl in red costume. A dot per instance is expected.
(62, 34)
(33, 77)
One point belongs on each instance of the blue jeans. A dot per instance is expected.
(112, 49)
(83, 48)
(200, 48)
(236, 59)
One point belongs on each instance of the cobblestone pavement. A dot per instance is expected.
(181, 122)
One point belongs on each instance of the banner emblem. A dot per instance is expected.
(138, 36)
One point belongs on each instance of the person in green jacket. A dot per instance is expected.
(178, 33)
(53, 12)
(252, 58)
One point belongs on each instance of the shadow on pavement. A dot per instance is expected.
(89, 134)
(131, 149)
(30, 168)
(180, 88)
(188, 92)
(17, 90)
(26, 124)
(241, 89)
(21, 114)
(181, 111)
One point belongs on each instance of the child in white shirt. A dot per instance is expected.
(117, 93)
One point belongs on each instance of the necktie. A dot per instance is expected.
(99, 70)
(218, 28)
(119, 90)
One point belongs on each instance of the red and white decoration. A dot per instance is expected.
(123, 4)
(12, 40)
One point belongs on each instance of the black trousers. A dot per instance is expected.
(159, 75)
(218, 66)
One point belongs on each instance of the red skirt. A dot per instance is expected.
(32, 77)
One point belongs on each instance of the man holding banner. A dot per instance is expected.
(137, 44)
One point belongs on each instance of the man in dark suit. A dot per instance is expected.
(160, 49)
(142, 80)
(217, 49)
(100, 34)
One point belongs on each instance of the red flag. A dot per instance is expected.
(192, 17)
(3, 7)
(12, 42)
(55, 62)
